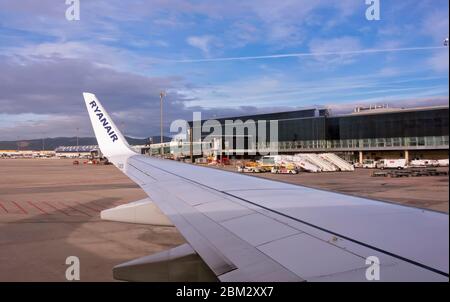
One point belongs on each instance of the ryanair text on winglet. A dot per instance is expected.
(104, 121)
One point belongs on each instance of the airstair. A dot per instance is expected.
(342, 164)
(324, 165)
(302, 163)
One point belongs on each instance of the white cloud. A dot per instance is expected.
(242, 33)
(341, 44)
(204, 43)
(161, 43)
(282, 90)
(439, 61)
(435, 25)
(284, 22)
(98, 54)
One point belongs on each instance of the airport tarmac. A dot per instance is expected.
(49, 210)
(429, 192)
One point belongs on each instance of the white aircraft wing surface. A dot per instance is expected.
(251, 229)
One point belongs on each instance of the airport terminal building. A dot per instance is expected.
(367, 133)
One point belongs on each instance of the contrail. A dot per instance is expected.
(308, 54)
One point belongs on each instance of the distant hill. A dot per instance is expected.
(53, 143)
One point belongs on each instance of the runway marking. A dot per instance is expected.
(45, 212)
(99, 205)
(19, 207)
(89, 207)
(51, 206)
(75, 209)
(3, 207)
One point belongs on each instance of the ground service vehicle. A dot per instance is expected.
(392, 164)
(369, 164)
(284, 169)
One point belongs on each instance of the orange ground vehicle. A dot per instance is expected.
(284, 169)
(250, 167)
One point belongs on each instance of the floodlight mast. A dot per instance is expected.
(162, 94)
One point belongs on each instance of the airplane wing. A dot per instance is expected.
(251, 229)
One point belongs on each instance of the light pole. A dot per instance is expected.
(162, 94)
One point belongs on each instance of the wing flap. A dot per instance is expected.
(142, 211)
(179, 264)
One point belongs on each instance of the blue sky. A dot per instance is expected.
(127, 51)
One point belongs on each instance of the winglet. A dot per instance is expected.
(111, 142)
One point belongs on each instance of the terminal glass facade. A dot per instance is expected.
(400, 129)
